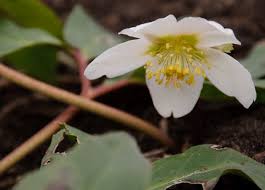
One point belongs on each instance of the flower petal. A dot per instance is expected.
(193, 25)
(213, 39)
(230, 77)
(179, 101)
(221, 28)
(159, 26)
(118, 60)
(217, 38)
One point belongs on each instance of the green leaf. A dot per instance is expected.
(32, 13)
(255, 61)
(111, 162)
(211, 93)
(14, 38)
(83, 32)
(17, 42)
(67, 132)
(38, 61)
(204, 165)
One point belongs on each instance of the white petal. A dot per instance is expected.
(221, 28)
(159, 26)
(187, 25)
(213, 39)
(179, 101)
(219, 37)
(118, 60)
(193, 25)
(230, 77)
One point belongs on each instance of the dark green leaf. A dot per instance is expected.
(32, 13)
(205, 164)
(111, 162)
(14, 38)
(83, 32)
(67, 132)
(37, 61)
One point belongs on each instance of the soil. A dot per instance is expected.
(23, 113)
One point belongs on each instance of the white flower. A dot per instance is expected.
(177, 56)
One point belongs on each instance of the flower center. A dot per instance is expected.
(178, 60)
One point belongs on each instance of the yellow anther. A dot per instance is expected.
(159, 82)
(227, 48)
(168, 45)
(203, 73)
(179, 69)
(149, 63)
(185, 71)
(190, 80)
(158, 75)
(149, 74)
(180, 76)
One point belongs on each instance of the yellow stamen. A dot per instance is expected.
(178, 60)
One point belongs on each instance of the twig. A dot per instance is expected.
(85, 84)
(3, 83)
(12, 105)
(154, 155)
(260, 156)
(103, 89)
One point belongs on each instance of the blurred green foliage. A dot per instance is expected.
(112, 161)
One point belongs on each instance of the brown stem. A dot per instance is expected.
(85, 84)
(83, 103)
(52, 127)
(103, 89)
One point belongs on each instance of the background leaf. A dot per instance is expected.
(38, 61)
(83, 32)
(255, 61)
(32, 13)
(111, 162)
(14, 38)
(205, 164)
(17, 42)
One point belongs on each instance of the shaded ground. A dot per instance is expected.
(23, 113)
